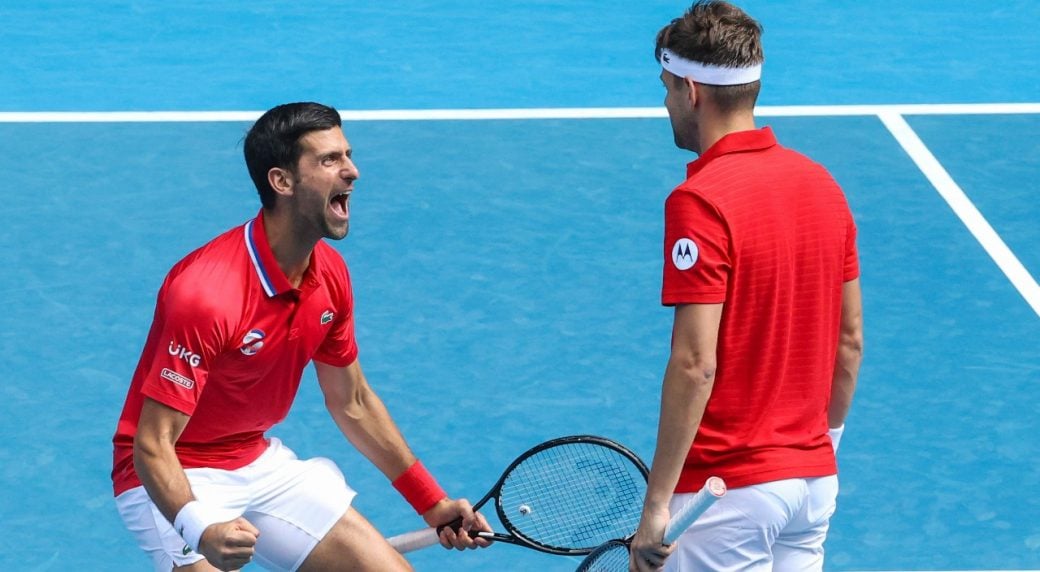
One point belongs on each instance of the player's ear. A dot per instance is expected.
(691, 91)
(281, 180)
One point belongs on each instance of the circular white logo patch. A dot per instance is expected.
(252, 342)
(684, 254)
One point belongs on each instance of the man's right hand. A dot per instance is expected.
(229, 545)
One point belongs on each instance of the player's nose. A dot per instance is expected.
(350, 171)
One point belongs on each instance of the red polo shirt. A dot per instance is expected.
(768, 233)
(228, 344)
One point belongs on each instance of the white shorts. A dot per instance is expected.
(777, 526)
(293, 503)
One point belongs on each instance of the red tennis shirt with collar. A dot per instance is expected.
(228, 345)
(768, 233)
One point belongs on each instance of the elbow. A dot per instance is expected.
(848, 358)
(698, 371)
(851, 334)
(350, 406)
(851, 350)
(147, 448)
(140, 451)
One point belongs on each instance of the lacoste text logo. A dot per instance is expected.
(170, 375)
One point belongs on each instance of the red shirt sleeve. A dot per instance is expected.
(851, 270)
(696, 251)
(189, 340)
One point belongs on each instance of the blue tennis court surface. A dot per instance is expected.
(507, 271)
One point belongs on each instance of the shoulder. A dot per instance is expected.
(736, 178)
(333, 269)
(805, 173)
(793, 163)
(211, 279)
(690, 196)
(331, 261)
(721, 178)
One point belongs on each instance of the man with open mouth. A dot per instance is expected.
(236, 322)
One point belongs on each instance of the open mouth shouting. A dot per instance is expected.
(340, 205)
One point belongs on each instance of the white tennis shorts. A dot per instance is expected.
(293, 503)
(778, 526)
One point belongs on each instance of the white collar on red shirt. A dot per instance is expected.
(272, 279)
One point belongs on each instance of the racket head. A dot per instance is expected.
(572, 494)
(610, 557)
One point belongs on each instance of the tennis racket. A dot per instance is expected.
(613, 555)
(564, 496)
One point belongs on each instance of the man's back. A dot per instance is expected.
(760, 264)
(779, 245)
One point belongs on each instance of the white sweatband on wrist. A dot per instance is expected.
(835, 435)
(707, 73)
(192, 520)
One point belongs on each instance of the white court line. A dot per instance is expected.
(533, 113)
(890, 115)
(963, 208)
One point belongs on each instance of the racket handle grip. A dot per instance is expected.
(714, 489)
(426, 537)
(415, 540)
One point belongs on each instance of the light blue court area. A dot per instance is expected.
(105, 55)
(507, 272)
(507, 282)
(997, 172)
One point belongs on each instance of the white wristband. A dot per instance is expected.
(835, 434)
(192, 520)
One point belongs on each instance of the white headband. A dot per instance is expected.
(708, 74)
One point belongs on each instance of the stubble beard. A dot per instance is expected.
(336, 233)
(685, 136)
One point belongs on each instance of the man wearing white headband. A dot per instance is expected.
(760, 265)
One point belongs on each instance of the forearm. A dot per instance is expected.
(162, 475)
(226, 545)
(849, 355)
(684, 396)
(366, 423)
(843, 385)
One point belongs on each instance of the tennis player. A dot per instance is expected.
(761, 267)
(196, 480)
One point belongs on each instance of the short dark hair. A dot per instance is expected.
(274, 140)
(717, 33)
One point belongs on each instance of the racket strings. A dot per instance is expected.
(575, 495)
(611, 557)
